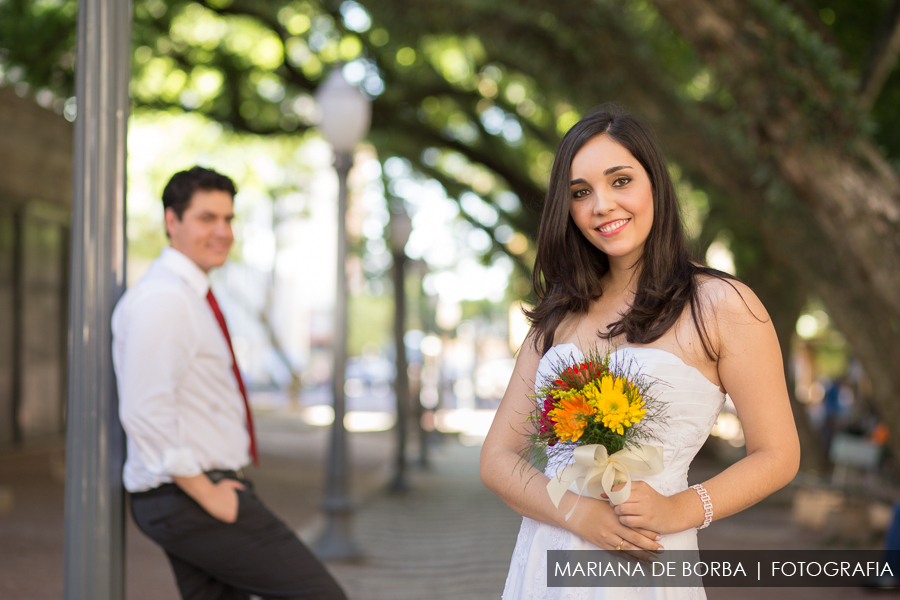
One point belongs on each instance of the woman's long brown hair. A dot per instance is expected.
(568, 268)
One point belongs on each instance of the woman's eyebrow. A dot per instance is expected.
(606, 172)
(614, 169)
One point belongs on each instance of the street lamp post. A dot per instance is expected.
(95, 444)
(401, 227)
(345, 118)
(424, 434)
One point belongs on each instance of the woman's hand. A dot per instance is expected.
(597, 522)
(648, 509)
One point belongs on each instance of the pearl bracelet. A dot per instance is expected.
(707, 505)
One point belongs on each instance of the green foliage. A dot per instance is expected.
(814, 63)
(849, 25)
(370, 321)
(37, 48)
(854, 28)
(476, 93)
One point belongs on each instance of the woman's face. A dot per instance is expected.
(612, 199)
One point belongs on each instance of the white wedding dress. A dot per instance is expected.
(693, 404)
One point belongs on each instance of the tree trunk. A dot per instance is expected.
(844, 240)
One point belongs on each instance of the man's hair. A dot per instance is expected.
(178, 192)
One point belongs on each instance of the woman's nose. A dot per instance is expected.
(603, 203)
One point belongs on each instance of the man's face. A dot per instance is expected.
(204, 232)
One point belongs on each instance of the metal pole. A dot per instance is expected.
(95, 445)
(337, 540)
(424, 435)
(401, 380)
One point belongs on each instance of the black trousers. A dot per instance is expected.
(258, 554)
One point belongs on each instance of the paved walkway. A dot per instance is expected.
(446, 539)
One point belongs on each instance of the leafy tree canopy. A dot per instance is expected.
(779, 116)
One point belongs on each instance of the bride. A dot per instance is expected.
(613, 272)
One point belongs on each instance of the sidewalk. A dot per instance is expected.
(447, 539)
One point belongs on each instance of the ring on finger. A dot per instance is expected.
(619, 547)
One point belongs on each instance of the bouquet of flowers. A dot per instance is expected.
(603, 409)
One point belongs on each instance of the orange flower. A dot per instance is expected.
(571, 415)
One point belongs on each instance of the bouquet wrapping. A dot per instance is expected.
(604, 409)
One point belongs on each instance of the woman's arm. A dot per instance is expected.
(523, 487)
(751, 369)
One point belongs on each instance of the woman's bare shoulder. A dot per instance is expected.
(727, 297)
(729, 301)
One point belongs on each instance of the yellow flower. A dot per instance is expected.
(570, 416)
(614, 409)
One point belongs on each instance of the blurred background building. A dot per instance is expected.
(35, 215)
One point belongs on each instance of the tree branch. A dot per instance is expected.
(267, 20)
(885, 52)
(520, 184)
(456, 190)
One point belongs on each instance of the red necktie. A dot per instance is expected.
(237, 373)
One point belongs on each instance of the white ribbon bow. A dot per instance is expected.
(596, 472)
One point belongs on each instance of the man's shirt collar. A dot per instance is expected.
(185, 268)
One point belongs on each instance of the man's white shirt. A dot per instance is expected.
(178, 398)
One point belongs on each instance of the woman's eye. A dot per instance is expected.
(579, 193)
(620, 181)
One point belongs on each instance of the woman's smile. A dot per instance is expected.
(611, 228)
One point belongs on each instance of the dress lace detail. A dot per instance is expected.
(693, 404)
(713, 419)
(521, 555)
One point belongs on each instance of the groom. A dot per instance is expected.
(190, 431)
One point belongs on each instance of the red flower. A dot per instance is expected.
(562, 384)
(546, 420)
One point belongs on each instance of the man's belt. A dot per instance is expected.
(215, 475)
